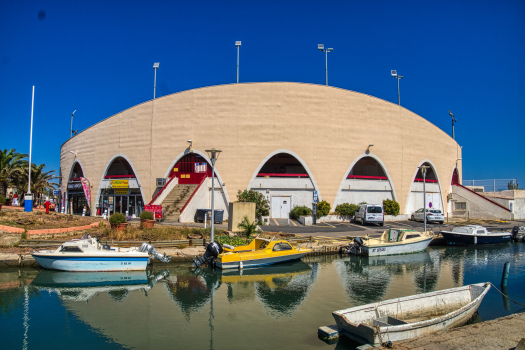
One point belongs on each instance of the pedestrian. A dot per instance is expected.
(47, 204)
(15, 200)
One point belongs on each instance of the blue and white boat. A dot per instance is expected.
(88, 254)
(474, 235)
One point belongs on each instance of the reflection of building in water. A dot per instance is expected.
(280, 288)
(372, 279)
(82, 286)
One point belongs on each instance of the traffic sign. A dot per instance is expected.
(55, 193)
(315, 197)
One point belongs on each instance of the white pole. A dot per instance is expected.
(31, 142)
(237, 64)
(212, 226)
(424, 200)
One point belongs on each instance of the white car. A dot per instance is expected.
(432, 215)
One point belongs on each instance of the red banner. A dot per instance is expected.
(155, 209)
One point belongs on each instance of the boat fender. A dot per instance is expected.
(240, 265)
(387, 344)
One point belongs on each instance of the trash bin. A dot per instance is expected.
(200, 214)
(218, 215)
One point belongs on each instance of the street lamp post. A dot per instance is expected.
(321, 48)
(424, 172)
(238, 45)
(28, 200)
(453, 121)
(213, 154)
(155, 67)
(398, 77)
(71, 133)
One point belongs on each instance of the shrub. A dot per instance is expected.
(323, 208)
(2, 199)
(299, 211)
(391, 207)
(262, 207)
(247, 226)
(117, 218)
(146, 215)
(346, 209)
(234, 241)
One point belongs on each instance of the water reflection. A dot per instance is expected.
(82, 286)
(366, 279)
(280, 288)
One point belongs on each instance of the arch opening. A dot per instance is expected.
(284, 179)
(366, 181)
(120, 190)
(191, 169)
(428, 192)
(76, 198)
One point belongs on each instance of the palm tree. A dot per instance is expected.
(40, 179)
(11, 164)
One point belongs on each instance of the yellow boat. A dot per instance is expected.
(259, 252)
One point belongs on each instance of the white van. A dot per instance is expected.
(370, 214)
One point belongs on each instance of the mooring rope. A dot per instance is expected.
(505, 295)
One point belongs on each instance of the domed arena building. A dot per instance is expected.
(285, 140)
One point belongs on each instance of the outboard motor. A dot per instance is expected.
(355, 248)
(148, 248)
(212, 252)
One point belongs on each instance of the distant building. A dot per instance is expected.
(285, 140)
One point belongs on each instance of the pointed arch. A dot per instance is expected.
(203, 155)
(348, 171)
(414, 177)
(297, 157)
(75, 162)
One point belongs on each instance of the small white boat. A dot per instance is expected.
(88, 254)
(393, 241)
(474, 235)
(410, 317)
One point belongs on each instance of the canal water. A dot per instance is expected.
(280, 307)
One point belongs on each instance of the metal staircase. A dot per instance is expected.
(175, 201)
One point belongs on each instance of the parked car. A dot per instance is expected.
(370, 214)
(432, 215)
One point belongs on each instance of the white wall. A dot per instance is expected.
(202, 200)
(166, 191)
(355, 191)
(297, 197)
(415, 198)
(262, 183)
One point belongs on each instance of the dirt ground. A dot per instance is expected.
(38, 220)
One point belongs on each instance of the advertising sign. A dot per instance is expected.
(155, 209)
(119, 183)
(315, 197)
(121, 191)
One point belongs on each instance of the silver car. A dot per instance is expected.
(432, 215)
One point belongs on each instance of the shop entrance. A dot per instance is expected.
(120, 204)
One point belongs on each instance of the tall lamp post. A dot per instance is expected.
(213, 154)
(398, 77)
(155, 67)
(71, 133)
(321, 48)
(238, 45)
(424, 172)
(453, 121)
(28, 200)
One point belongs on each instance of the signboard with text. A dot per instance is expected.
(155, 209)
(119, 183)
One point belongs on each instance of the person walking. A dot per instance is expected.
(15, 200)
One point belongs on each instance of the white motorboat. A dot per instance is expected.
(474, 235)
(409, 317)
(393, 241)
(88, 254)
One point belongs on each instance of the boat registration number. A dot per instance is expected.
(125, 263)
(378, 250)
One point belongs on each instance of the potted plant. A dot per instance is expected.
(2, 201)
(146, 219)
(118, 221)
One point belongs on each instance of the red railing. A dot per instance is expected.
(417, 179)
(189, 199)
(367, 177)
(468, 189)
(281, 174)
(118, 176)
(162, 189)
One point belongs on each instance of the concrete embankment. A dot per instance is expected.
(501, 333)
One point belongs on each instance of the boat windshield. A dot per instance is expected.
(374, 210)
(281, 246)
(71, 249)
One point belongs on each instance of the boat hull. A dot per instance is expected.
(92, 263)
(379, 333)
(259, 262)
(453, 238)
(395, 249)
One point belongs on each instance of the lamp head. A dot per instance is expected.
(370, 145)
(238, 43)
(393, 73)
(320, 47)
(213, 153)
(155, 65)
(72, 114)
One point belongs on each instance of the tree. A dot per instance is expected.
(512, 185)
(41, 181)
(11, 164)
(262, 207)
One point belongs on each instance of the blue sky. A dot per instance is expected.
(96, 57)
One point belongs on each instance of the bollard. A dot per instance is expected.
(84, 212)
(505, 275)
(506, 302)
(63, 210)
(105, 214)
